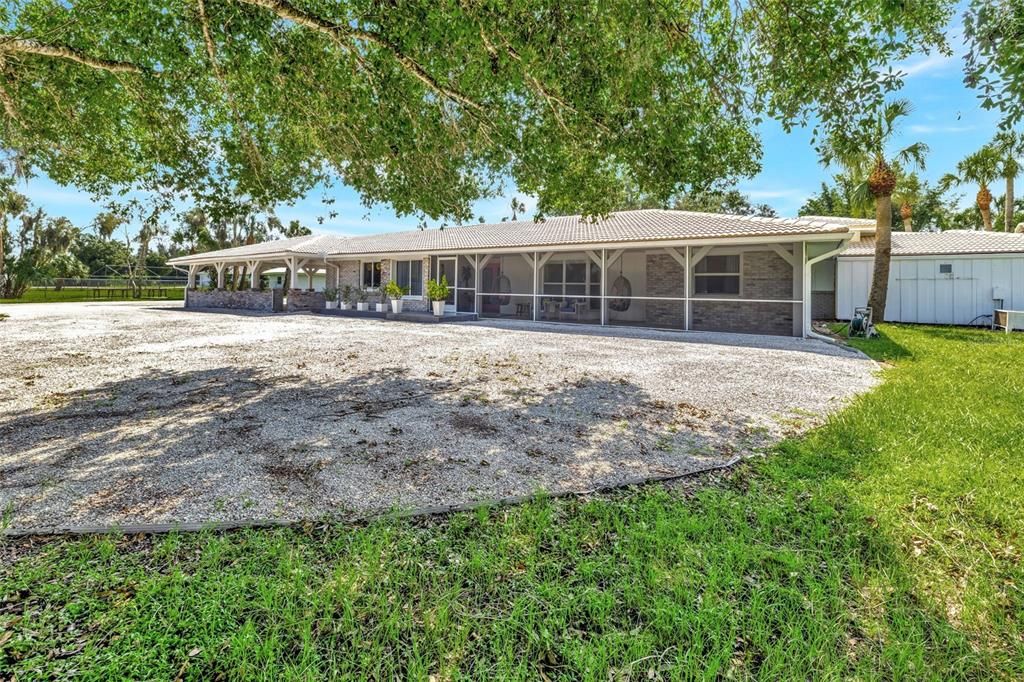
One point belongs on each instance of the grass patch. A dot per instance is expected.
(882, 545)
(77, 294)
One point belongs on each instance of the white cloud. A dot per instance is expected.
(924, 129)
(783, 193)
(929, 64)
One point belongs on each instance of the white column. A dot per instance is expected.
(254, 275)
(220, 274)
(536, 299)
(604, 286)
(805, 327)
(293, 268)
(476, 283)
(686, 292)
(192, 269)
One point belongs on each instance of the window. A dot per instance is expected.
(371, 274)
(945, 268)
(409, 275)
(717, 276)
(570, 278)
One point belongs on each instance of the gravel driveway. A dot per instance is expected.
(147, 413)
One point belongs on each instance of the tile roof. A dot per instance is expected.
(624, 226)
(648, 225)
(949, 243)
(308, 244)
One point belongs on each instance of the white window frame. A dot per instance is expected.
(394, 276)
(564, 262)
(738, 274)
(379, 282)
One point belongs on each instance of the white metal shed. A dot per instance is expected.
(953, 277)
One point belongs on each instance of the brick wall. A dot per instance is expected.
(765, 276)
(823, 305)
(299, 299)
(665, 277)
(269, 300)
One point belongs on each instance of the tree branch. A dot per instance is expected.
(10, 43)
(345, 34)
(255, 159)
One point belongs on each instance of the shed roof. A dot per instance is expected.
(648, 225)
(948, 243)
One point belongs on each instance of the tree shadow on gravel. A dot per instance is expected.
(232, 443)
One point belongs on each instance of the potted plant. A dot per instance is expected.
(381, 305)
(346, 297)
(394, 291)
(331, 298)
(438, 292)
(361, 296)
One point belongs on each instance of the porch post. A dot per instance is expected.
(805, 305)
(192, 269)
(476, 284)
(536, 300)
(686, 292)
(604, 286)
(220, 274)
(254, 275)
(293, 268)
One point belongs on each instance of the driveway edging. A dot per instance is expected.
(443, 510)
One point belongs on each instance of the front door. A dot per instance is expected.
(446, 269)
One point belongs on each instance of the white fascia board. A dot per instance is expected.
(650, 244)
(944, 256)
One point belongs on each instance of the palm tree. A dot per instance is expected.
(12, 205)
(979, 168)
(106, 223)
(907, 194)
(1010, 147)
(865, 154)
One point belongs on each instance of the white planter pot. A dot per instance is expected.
(396, 305)
(331, 305)
(438, 307)
(381, 307)
(343, 306)
(361, 306)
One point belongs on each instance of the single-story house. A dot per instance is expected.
(647, 268)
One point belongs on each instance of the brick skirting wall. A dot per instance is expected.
(269, 300)
(299, 299)
(747, 318)
(823, 305)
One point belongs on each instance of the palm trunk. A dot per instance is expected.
(1008, 205)
(3, 256)
(883, 255)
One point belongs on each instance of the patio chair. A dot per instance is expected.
(570, 309)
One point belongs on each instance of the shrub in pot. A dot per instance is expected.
(438, 292)
(394, 291)
(331, 298)
(361, 296)
(346, 297)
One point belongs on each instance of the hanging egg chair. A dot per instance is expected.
(505, 288)
(621, 292)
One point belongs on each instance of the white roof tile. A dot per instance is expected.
(649, 225)
(948, 243)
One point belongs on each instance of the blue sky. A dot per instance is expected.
(946, 116)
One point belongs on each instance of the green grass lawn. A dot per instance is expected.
(884, 545)
(68, 294)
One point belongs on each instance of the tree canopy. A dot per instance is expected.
(429, 105)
